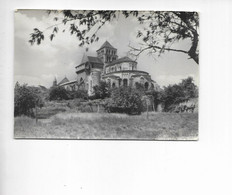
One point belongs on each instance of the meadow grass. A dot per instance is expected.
(74, 125)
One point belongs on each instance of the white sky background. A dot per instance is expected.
(40, 64)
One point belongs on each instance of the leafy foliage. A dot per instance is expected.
(58, 93)
(175, 94)
(25, 100)
(163, 29)
(37, 36)
(139, 86)
(101, 91)
(125, 100)
(190, 90)
(157, 97)
(159, 30)
(82, 94)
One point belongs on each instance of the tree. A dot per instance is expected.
(157, 97)
(58, 93)
(25, 100)
(190, 90)
(166, 28)
(101, 91)
(80, 93)
(125, 100)
(175, 94)
(159, 30)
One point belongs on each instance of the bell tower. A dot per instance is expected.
(54, 82)
(107, 53)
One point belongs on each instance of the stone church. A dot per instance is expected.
(107, 66)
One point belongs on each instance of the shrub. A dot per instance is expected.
(125, 100)
(25, 100)
(139, 86)
(58, 93)
(157, 97)
(101, 91)
(175, 94)
(83, 94)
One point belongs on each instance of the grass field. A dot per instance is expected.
(67, 125)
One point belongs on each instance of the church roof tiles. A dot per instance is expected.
(95, 60)
(107, 45)
(91, 59)
(120, 60)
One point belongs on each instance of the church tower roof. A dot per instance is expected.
(84, 58)
(54, 82)
(106, 45)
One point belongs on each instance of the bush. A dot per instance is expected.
(157, 97)
(175, 94)
(25, 100)
(58, 93)
(83, 94)
(125, 100)
(101, 91)
(139, 86)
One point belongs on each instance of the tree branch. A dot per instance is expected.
(170, 49)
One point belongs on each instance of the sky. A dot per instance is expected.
(40, 64)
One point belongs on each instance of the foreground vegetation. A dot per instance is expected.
(112, 113)
(73, 125)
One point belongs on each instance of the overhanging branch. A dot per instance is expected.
(170, 49)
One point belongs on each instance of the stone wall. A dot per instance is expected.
(93, 80)
(96, 77)
(83, 76)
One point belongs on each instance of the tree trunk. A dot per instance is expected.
(193, 50)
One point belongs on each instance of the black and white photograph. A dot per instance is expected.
(115, 97)
(106, 74)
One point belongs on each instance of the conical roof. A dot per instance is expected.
(84, 58)
(106, 44)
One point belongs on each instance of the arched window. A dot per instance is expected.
(136, 85)
(73, 87)
(113, 85)
(133, 67)
(152, 86)
(141, 80)
(146, 85)
(81, 83)
(68, 88)
(125, 82)
(119, 82)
